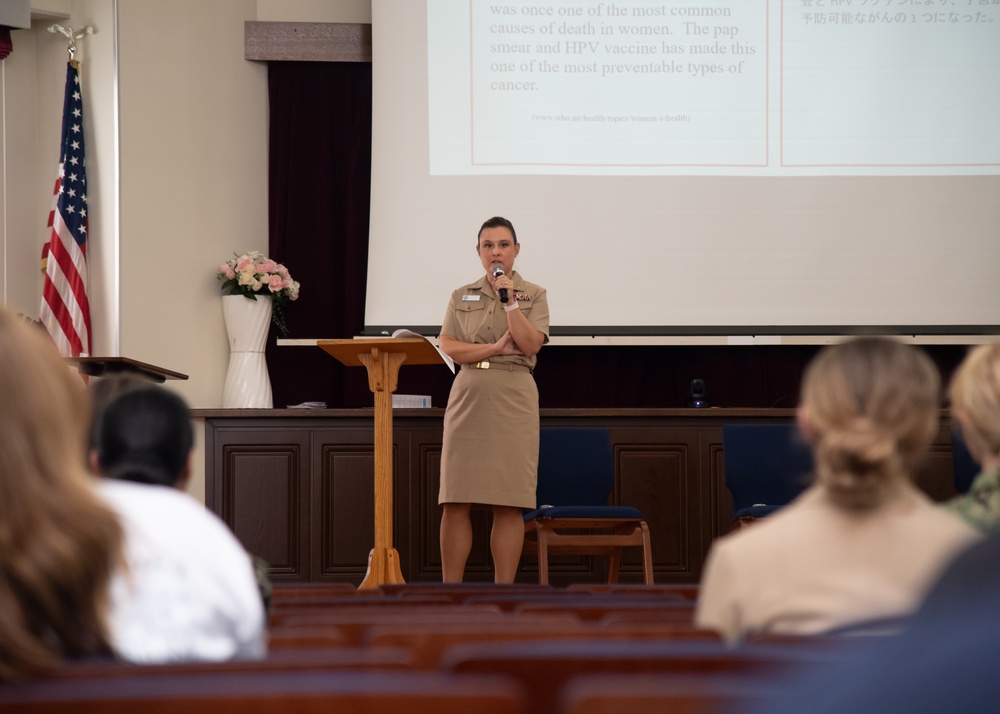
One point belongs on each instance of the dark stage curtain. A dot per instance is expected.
(319, 179)
(320, 182)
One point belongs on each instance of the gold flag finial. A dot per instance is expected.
(73, 36)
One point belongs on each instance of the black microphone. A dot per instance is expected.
(497, 272)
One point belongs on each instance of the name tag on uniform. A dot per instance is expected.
(471, 298)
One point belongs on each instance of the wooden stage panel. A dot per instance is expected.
(297, 487)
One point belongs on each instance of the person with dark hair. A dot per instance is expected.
(59, 542)
(862, 543)
(189, 590)
(144, 435)
(104, 390)
(493, 327)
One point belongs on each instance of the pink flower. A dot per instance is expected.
(249, 273)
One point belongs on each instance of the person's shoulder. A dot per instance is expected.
(128, 494)
(151, 507)
(130, 491)
(521, 284)
(953, 523)
(534, 292)
(774, 532)
(985, 488)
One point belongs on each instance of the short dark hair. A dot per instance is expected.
(497, 222)
(145, 435)
(105, 390)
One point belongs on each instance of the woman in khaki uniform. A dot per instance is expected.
(490, 450)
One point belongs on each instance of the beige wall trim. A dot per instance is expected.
(308, 41)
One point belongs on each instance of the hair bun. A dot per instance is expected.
(856, 462)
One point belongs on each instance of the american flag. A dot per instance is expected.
(65, 310)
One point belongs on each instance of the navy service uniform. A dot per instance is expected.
(490, 449)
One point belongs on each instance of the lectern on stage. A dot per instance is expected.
(382, 357)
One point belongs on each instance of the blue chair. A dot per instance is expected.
(576, 473)
(964, 467)
(766, 467)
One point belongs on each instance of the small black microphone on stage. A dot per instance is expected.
(497, 272)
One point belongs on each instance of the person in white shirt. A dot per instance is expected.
(188, 591)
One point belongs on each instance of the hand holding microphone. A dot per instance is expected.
(497, 272)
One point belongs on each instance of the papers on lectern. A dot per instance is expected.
(410, 333)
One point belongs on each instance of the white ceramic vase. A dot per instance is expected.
(247, 322)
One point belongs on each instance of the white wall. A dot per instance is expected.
(23, 216)
(178, 188)
(194, 180)
(315, 10)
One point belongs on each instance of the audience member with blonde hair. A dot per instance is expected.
(59, 542)
(975, 401)
(862, 543)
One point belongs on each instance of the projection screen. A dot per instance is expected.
(679, 167)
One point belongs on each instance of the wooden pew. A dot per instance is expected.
(302, 659)
(290, 591)
(596, 607)
(303, 602)
(544, 667)
(367, 692)
(429, 641)
(687, 693)
(353, 624)
(684, 591)
(280, 638)
(460, 592)
(587, 605)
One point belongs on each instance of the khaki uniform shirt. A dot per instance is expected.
(476, 315)
(812, 567)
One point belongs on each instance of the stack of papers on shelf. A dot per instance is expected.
(410, 401)
(308, 405)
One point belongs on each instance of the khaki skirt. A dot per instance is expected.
(490, 449)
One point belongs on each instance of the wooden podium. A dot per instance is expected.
(382, 357)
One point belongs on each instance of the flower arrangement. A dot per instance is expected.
(252, 273)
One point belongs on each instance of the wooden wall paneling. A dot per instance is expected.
(421, 513)
(653, 477)
(299, 490)
(261, 492)
(343, 503)
(719, 516)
